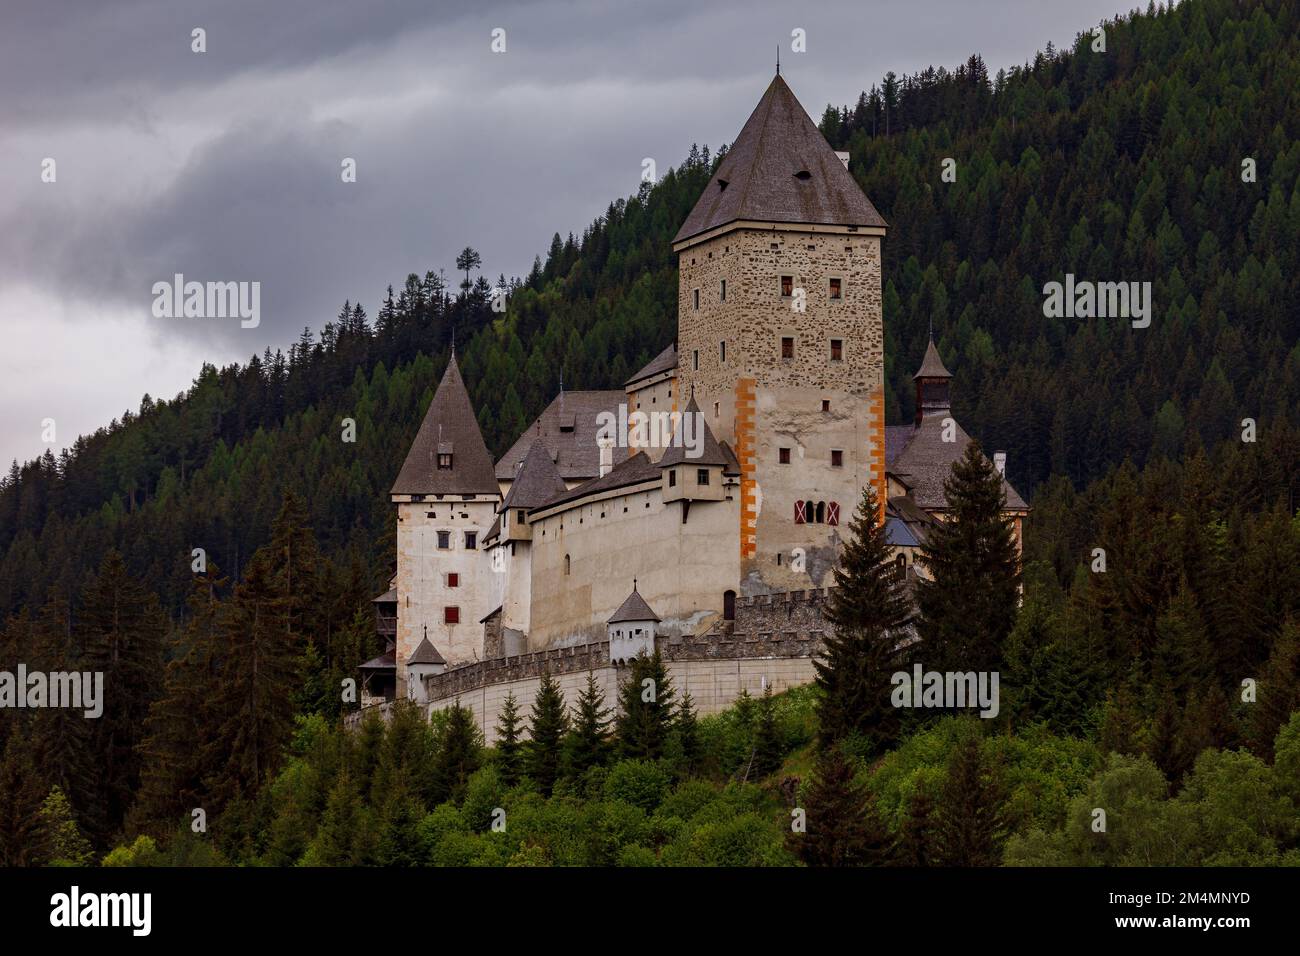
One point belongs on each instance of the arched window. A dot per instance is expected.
(728, 605)
(900, 566)
(567, 564)
(821, 512)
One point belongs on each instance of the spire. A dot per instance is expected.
(778, 59)
(448, 455)
(932, 384)
(780, 169)
(932, 365)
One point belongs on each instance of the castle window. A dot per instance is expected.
(837, 458)
(696, 294)
(444, 540)
(723, 295)
(900, 566)
(453, 580)
(702, 476)
(716, 407)
(821, 512)
(417, 497)
(696, 359)
(826, 404)
(837, 350)
(787, 286)
(567, 564)
(672, 477)
(722, 352)
(783, 456)
(471, 540)
(837, 289)
(451, 615)
(787, 346)
(444, 462)
(520, 513)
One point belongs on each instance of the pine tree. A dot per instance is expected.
(1278, 694)
(121, 627)
(768, 751)
(589, 740)
(916, 835)
(548, 726)
(867, 612)
(971, 822)
(968, 609)
(459, 749)
(842, 825)
(62, 841)
(20, 804)
(645, 709)
(687, 727)
(509, 750)
(171, 780)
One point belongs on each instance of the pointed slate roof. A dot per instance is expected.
(711, 452)
(780, 169)
(449, 426)
(630, 471)
(665, 361)
(926, 461)
(425, 653)
(932, 366)
(568, 428)
(538, 480)
(634, 609)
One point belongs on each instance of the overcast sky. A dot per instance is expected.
(225, 165)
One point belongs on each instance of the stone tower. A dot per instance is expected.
(446, 496)
(780, 338)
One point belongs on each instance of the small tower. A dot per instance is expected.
(695, 473)
(932, 385)
(425, 662)
(632, 629)
(536, 483)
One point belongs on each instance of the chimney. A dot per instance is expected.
(1000, 462)
(606, 455)
(844, 158)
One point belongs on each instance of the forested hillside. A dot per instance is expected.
(1117, 166)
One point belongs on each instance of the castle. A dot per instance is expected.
(589, 541)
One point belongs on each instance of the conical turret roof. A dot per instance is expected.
(449, 428)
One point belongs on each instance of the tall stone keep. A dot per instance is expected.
(781, 339)
(446, 497)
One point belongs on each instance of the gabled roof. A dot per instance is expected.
(425, 653)
(711, 452)
(926, 461)
(538, 480)
(665, 361)
(631, 471)
(384, 662)
(449, 427)
(633, 609)
(567, 428)
(932, 366)
(780, 169)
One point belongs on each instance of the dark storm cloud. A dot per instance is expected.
(224, 166)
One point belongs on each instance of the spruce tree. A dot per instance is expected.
(20, 803)
(62, 841)
(768, 751)
(687, 726)
(1278, 693)
(121, 627)
(509, 749)
(589, 740)
(916, 835)
(645, 709)
(968, 608)
(458, 754)
(548, 726)
(971, 822)
(867, 612)
(842, 826)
